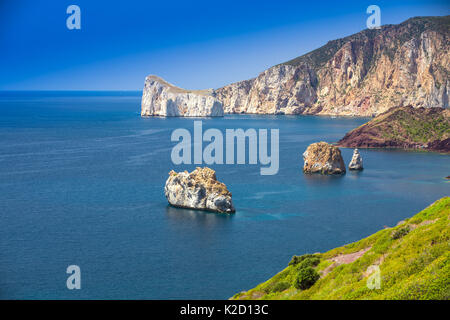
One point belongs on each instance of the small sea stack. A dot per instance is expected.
(356, 163)
(323, 158)
(199, 190)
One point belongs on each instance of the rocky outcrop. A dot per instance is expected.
(356, 163)
(403, 127)
(324, 158)
(364, 74)
(161, 98)
(198, 190)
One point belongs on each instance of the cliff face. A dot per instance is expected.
(364, 74)
(282, 89)
(404, 127)
(161, 98)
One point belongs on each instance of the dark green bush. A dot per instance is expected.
(309, 262)
(306, 278)
(297, 259)
(397, 234)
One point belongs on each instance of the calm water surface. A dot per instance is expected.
(82, 178)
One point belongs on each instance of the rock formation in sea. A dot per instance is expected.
(198, 189)
(363, 74)
(161, 98)
(324, 158)
(403, 127)
(356, 163)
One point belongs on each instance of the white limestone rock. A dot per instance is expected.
(198, 189)
(356, 163)
(161, 98)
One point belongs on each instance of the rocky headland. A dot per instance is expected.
(198, 189)
(364, 74)
(403, 127)
(161, 98)
(323, 158)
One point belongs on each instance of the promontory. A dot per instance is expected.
(161, 98)
(403, 127)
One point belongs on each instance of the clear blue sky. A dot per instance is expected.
(193, 44)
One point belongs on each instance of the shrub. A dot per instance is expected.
(309, 262)
(297, 259)
(306, 278)
(397, 234)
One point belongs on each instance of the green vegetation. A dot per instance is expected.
(416, 127)
(306, 277)
(403, 127)
(397, 234)
(311, 258)
(413, 259)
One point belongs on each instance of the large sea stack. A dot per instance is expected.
(324, 158)
(198, 190)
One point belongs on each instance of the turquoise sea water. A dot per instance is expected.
(82, 178)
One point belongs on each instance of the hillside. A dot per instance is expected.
(403, 127)
(413, 260)
(363, 74)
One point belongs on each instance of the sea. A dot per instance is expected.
(82, 179)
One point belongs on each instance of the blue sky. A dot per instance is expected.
(193, 44)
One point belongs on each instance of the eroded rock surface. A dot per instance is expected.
(324, 158)
(198, 189)
(364, 74)
(356, 163)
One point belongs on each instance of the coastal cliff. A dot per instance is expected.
(374, 267)
(161, 98)
(403, 127)
(363, 74)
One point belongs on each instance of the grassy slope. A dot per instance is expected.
(414, 266)
(402, 125)
(412, 127)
